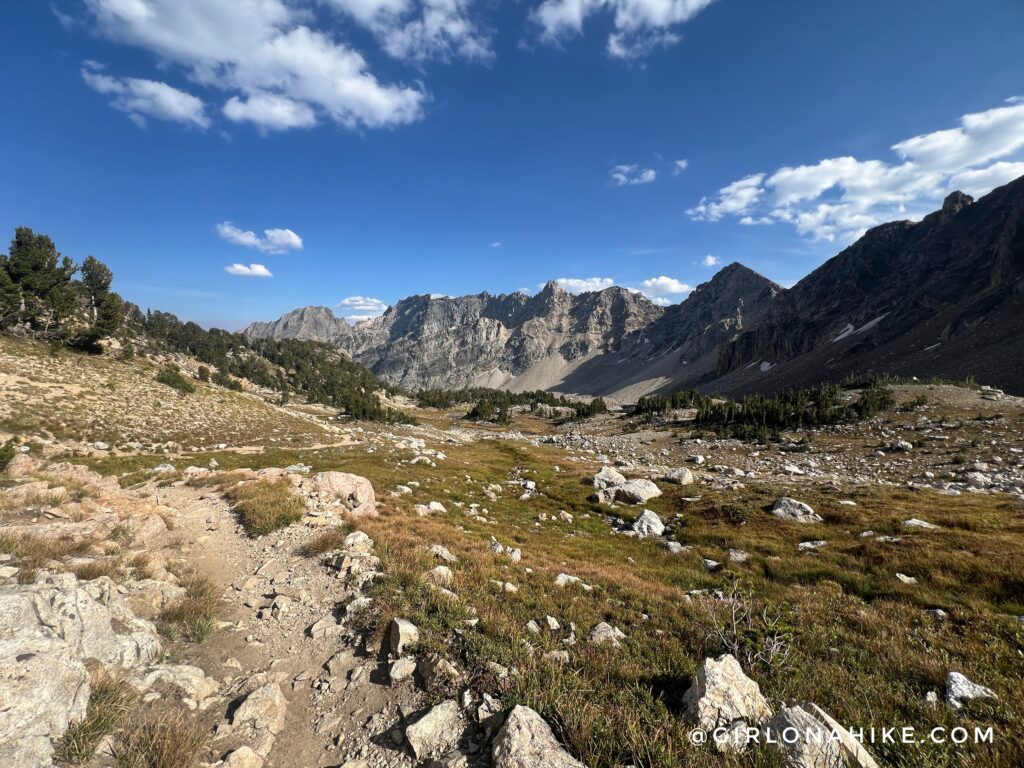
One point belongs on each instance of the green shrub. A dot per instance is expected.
(7, 453)
(171, 376)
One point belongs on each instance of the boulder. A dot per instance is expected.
(352, 492)
(808, 738)
(791, 509)
(82, 614)
(401, 635)
(190, 680)
(648, 524)
(402, 669)
(526, 741)
(44, 686)
(243, 757)
(437, 731)
(606, 478)
(721, 693)
(959, 689)
(23, 465)
(605, 633)
(680, 476)
(636, 492)
(264, 708)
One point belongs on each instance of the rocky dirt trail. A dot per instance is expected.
(278, 624)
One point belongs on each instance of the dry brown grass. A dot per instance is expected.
(33, 552)
(169, 740)
(110, 702)
(194, 614)
(264, 506)
(328, 540)
(113, 567)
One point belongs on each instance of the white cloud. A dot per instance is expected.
(710, 261)
(840, 197)
(630, 175)
(276, 70)
(273, 240)
(585, 284)
(142, 99)
(663, 286)
(639, 26)
(982, 180)
(679, 166)
(732, 198)
(421, 29)
(359, 308)
(251, 270)
(496, 244)
(270, 112)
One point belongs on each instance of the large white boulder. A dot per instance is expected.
(637, 491)
(807, 737)
(82, 614)
(721, 694)
(44, 687)
(607, 478)
(352, 492)
(526, 741)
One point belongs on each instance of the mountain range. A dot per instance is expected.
(940, 297)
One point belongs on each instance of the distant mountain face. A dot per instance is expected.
(939, 297)
(510, 340)
(310, 323)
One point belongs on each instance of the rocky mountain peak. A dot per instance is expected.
(955, 202)
(315, 323)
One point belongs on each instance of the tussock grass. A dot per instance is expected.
(170, 740)
(194, 614)
(265, 506)
(326, 541)
(113, 567)
(110, 703)
(33, 552)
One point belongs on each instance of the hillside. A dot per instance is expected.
(587, 594)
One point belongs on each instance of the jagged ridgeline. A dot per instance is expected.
(47, 296)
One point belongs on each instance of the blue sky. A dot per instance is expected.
(455, 146)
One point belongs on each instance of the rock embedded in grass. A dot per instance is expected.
(721, 693)
(401, 635)
(787, 508)
(648, 524)
(959, 689)
(679, 476)
(606, 634)
(526, 741)
(802, 748)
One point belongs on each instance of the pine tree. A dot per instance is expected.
(43, 280)
(96, 280)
